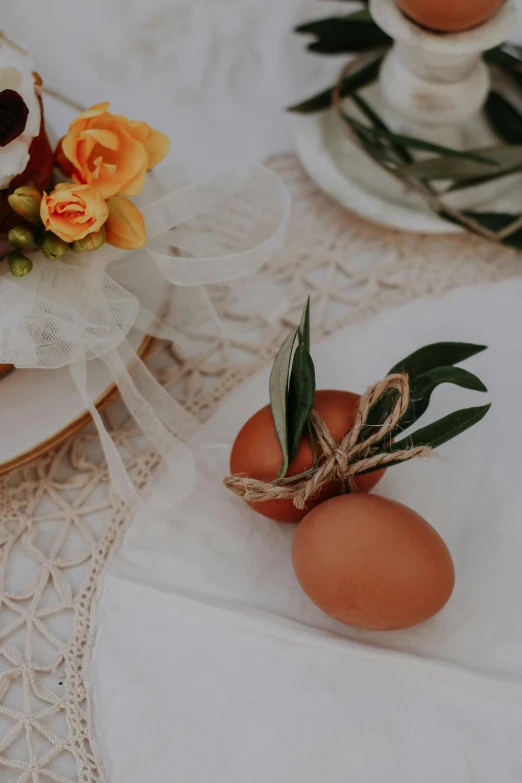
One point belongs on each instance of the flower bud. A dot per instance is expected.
(125, 225)
(19, 264)
(90, 242)
(53, 246)
(26, 202)
(21, 237)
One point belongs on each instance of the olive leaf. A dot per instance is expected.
(504, 118)
(381, 133)
(507, 56)
(374, 118)
(301, 394)
(442, 430)
(400, 151)
(494, 221)
(378, 147)
(354, 81)
(450, 167)
(301, 397)
(437, 433)
(476, 181)
(423, 386)
(292, 389)
(344, 34)
(304, 326)
(279, 395)
(508, 59)
(434, 355)
(430, 359)
(426, 146)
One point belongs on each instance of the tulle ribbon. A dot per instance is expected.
(84, 306)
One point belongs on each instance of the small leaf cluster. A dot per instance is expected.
(293, 386)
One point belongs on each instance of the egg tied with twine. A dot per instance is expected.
(341, 461)
(388, 408)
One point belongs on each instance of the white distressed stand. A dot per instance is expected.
(435, 82)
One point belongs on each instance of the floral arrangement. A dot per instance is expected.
(76, 310)
(449, 170)
(105, 158)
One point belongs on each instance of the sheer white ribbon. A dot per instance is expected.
(69, 312)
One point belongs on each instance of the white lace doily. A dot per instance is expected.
(59, 521)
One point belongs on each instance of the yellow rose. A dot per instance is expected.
(125, 226)
(73, 211)
(110, 152)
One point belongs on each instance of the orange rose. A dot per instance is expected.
(73, 211)
(109, 152)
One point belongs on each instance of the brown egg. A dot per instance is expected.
(372, 563)
(449, 16)
(5, 368)
(257, 454)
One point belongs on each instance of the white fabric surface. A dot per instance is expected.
(211, 665)
(215, 75)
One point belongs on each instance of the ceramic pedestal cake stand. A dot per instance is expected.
(432, 86)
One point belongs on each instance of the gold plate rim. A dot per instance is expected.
(74, 426)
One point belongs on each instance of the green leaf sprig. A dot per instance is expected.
(361, 76)
(356, 32)
(428, 368)
(293, 386)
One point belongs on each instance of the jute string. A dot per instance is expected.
(340, 463)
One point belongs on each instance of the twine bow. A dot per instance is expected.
(340, 462)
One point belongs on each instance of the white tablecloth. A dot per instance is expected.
(211, 665)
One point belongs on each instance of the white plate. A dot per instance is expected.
(349, 176)
(41, 408)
